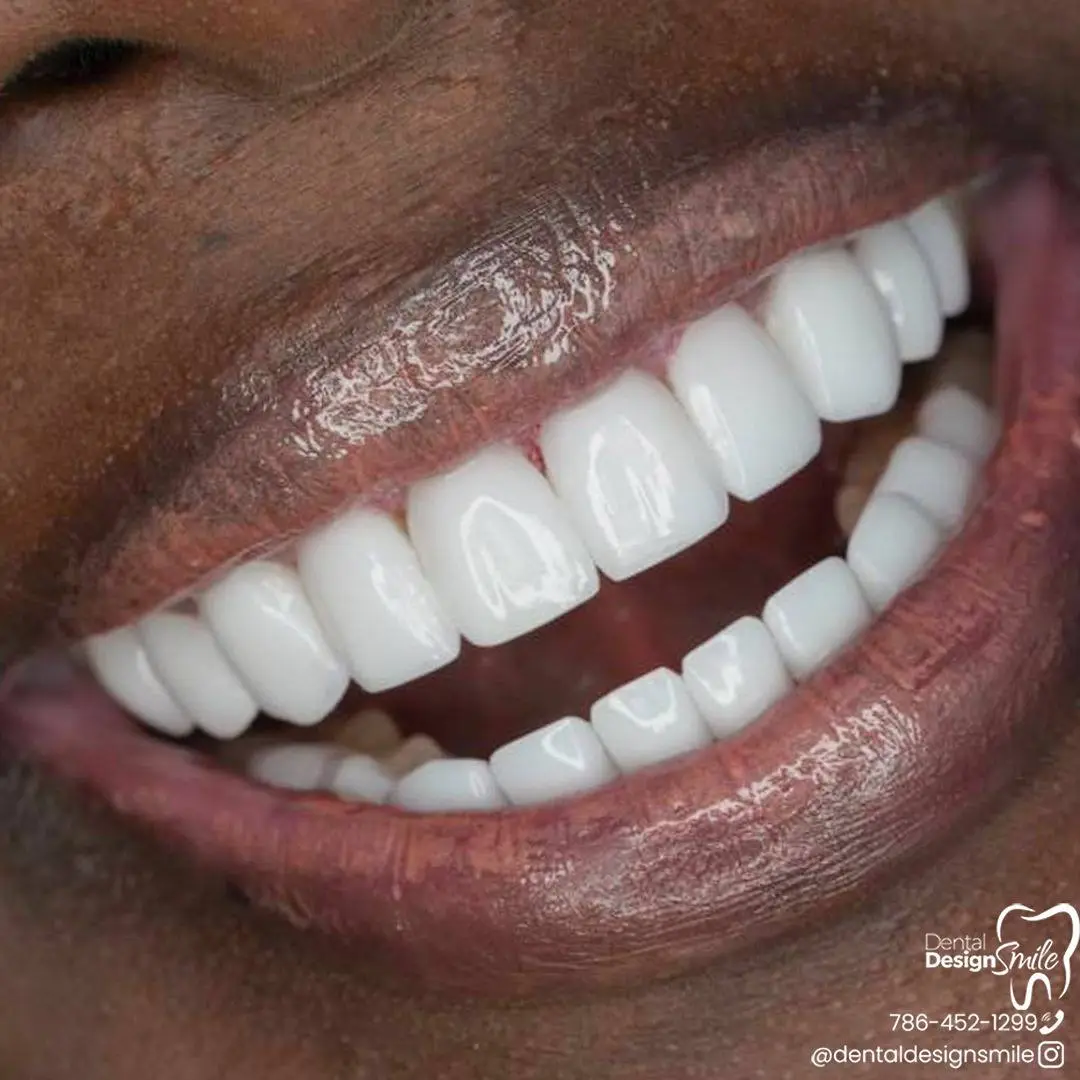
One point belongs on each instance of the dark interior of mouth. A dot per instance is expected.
(490, 696)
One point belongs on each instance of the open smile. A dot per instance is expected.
(732, 629)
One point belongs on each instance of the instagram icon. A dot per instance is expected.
(1051, 1055)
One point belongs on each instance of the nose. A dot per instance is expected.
(280, 43)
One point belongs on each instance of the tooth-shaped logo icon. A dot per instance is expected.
(1028, 970)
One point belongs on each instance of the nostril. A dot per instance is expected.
(70, 64)
(277, 42)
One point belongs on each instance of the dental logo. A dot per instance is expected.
(1029, 971)
(1039, 975)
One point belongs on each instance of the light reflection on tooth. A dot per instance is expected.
(453, 784)
(630, 468)
(832, 328)
(648, 720)
(189, 662)
(816, 615)
(264, 624)
(563, 758)
(733, 382)
(364, 582)
(736, 676)
(936, 477)
(499, 547)
(941, 239)
(893, 542)
(121, 664)
(896, 265)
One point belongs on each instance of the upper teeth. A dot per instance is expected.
(890, 255)
(938, 228)
(499, 547)
(635, 474)
(263, 622)
(733, 381)
(827, 317)
(363, 562)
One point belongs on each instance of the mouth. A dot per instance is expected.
(708, 650)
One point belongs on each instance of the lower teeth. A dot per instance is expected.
(954, 410)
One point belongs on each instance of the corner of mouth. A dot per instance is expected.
(905, 729)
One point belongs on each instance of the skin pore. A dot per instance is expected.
(153, 223)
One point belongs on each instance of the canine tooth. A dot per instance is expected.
(415, 751)
(816, 615)
(936, 477)
(732, 380)
(736, 676)
(563, 758)
(833, 329)
(293, 766)
(360, 778)
(894, 262)
(633, 474)
(958, 419)
(499, 547)
(941, 239)
(648, 720)
(265, 626)
(365, 583)
(121, 664)
(453, 784)
(190, 664)
(890, 547)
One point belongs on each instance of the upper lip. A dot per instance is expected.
(873, 760)
(366, 387)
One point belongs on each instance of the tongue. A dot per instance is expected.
(489, 696)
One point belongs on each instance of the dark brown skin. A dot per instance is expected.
(151, 244)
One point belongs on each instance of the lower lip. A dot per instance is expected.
(869, 765)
